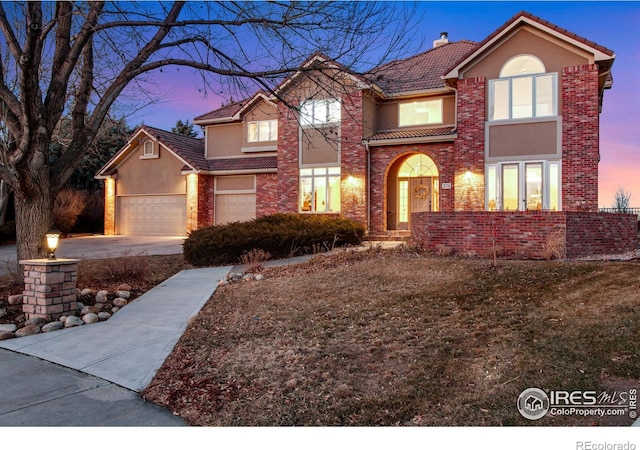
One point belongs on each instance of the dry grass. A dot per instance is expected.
(397, 338)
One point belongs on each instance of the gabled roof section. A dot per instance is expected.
(600, 52)
(422, 72)
(187, 149)
(233, 111)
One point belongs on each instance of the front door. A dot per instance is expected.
(414, 195)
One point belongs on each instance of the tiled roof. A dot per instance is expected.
(223, 112)
(253, 163)
(416, 133)
(534, 18)
(420, 72)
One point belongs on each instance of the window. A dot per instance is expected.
(263, 130)
(423, 112)
(320, 189)
(523, 90)
(320, 112)
(149, 148)
(518, 186)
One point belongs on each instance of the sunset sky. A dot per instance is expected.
(615, 25)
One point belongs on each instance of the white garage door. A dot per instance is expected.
(234, 208)
(152, 215)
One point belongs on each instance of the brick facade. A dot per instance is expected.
(469, 146)
(580, 139)
(49, 288)
(288, 151)
(266, 194)
(205, 200)
(353, 159)
(524, 234)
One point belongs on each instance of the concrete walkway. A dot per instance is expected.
(130, 347)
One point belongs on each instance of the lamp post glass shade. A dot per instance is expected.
(52, 242)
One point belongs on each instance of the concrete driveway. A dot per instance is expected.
(99, 247)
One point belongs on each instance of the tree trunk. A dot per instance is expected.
(33, 220)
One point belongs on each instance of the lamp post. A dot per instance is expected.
(53, 237)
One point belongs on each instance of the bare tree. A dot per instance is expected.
(76, 60)
(622, 200)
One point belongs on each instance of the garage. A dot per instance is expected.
(152, 215)
(234, 208)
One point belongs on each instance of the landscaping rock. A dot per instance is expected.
(27, 330)
(73, 321)
(15, 299)
(39, 321)
(223, 283)
(6, 335)
(103, 315)
(259, 277)
(86, 310)
(87, 291)
(115, 309)
(79, 306)
(10, 327)
(119, 302)
(3, 312)
(123, 294)
(98, 307)
(78, 292)
(101, 296)
(124, 287)
(90, 318)
(52, 326)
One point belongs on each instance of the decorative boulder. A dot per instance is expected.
(52, 326)
(73, 321)
(101, 296)
(27, 330)
(15, 299)
(90, 318)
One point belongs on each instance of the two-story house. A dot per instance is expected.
(465, 145)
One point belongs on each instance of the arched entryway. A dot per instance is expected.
(412, 186)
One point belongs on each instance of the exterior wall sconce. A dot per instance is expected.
(53, 237)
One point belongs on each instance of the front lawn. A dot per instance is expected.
(397, 338)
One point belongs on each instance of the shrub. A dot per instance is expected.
(555, 245)
(281, 235)
(66, 209)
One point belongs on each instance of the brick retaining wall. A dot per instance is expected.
(524, 234)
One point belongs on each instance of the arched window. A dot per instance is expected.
(524, 90)
(522, 65)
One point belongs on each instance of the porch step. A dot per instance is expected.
(391, 235)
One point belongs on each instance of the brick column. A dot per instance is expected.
(49, 287)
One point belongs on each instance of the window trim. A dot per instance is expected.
(534, 116)
(154, 151)
(420, 124)
(313, 123)
(270, 121)
(546, 183)
(313, 176)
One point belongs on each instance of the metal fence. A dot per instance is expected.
(627, 210)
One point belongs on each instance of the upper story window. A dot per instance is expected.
(523, 90)
(421, 112)
(262, 131)
(320, 112)
(149, 149)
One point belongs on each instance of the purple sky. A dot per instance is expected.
(615, 25)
